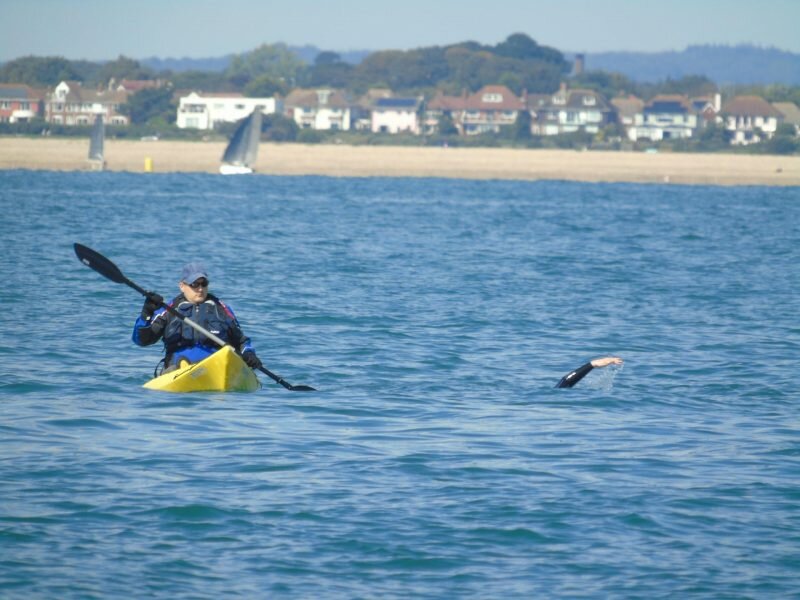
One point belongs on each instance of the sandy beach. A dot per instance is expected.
(364, 161)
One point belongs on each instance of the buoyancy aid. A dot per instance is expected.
(212, 315)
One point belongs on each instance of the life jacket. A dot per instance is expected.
(212, 315)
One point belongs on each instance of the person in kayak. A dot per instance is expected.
(573, 377)
(182, 342)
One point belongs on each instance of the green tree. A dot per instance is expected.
(786, 129)
(39, 71)
(781, 144)
(201, 81)
(712, 137)
(150, 104)
(607, 84)
(265, 86)
(274, 60)
(278, 128)
(522, 126)
(330, 70)
(122, 68)
(522, 47)
(446, 125)
(690, 85)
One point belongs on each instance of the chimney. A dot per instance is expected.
(579, 63)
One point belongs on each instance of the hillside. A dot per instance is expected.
(722, 64)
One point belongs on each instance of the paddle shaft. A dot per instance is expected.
(97, 262)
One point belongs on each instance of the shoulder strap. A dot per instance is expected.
(222, 305)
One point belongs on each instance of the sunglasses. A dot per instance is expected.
(198, 285)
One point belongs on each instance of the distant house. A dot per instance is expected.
(208, 111)
(20, 103)
(665, 117)
(707, 107)
(361, 110)
(489, 109)
(751, 119)
(791, 114)
(441, 106)
(396, 115)
(72, 104)
(323, 109)
(568, 111)
(627, 108)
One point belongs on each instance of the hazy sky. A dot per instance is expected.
(105, 29)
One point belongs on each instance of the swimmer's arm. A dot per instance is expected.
(575, 376)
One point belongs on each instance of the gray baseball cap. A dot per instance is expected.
(192, 272)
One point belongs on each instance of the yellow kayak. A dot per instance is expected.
(223, 371)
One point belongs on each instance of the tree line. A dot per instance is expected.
(518, 62)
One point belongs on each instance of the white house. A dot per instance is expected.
(665, 117)
(396, 115)
(750, 118)
(489, 109)
(207, 111)
(627, 108)
(322, 109)
(568, 111)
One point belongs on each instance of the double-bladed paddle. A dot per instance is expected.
(96, 261)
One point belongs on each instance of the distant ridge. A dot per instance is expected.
(743, 64)
(725, 65)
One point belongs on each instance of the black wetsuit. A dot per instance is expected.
(573, 377)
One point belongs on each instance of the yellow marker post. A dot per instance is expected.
(148, 164)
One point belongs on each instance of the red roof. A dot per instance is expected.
(750, 106)
(494, 97)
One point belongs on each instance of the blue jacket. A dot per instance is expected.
(181, 340)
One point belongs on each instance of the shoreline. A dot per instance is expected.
(69, 154)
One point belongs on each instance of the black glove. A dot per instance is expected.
(152, 302)
(249, 357)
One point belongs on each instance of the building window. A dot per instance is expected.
(493, 98)
(589, 101)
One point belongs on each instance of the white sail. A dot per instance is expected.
(242, 151)
(97, 143)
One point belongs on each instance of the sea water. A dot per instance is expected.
(436, 460)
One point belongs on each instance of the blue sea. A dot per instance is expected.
(436, 459)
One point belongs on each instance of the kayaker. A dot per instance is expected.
(182, 342)
(573, 377)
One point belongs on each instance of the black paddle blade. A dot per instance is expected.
(302, 388)
(98, 262)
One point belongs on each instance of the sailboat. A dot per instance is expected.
(242, 151)
(96, 144)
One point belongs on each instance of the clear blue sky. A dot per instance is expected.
(105, 29)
